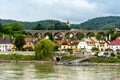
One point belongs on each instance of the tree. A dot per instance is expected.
(16, 26)
(98, 36)
(95, 49)
(91, 34)
(51, 26)
(61, 26)
(43, 49)
(80, 36)
(11, 27)
(19, 42)
(1, 28)
(112, 34)
(38, 27)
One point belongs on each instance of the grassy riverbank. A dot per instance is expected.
(103, 60)
(19, 58)
(16, 57)
(94, 59)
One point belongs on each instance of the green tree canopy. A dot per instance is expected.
(43, 49)
(38, 27)
(1, 28)
(98, 36)
(11, 27)
(19, 42)
(80, 36)
(95, 49)
(16, 26)
(61, 26)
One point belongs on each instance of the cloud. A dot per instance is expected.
(74, 10)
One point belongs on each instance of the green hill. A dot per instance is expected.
(101, 23)
(28, 25)
(95, 23)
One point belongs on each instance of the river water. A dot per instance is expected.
(20, 71)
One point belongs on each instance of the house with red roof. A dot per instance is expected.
(30, 42)
(115, 44)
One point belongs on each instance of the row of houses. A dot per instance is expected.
(88, 43)
(6, 44)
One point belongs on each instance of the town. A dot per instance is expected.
(59, 40)
(72, 41)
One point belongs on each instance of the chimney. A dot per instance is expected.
(109, 37)
(106, 38)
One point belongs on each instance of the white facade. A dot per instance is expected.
(5, 47)
(114, 47)
(82, 44)
(85, 45)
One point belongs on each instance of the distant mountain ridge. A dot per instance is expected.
(101, 23)
(95, 23)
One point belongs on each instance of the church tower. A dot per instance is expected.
(68, 23)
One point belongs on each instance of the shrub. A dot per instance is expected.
(112, 54)
(118, 55)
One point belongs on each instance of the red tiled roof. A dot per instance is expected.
(29, 39)
(92, 40)
(115, 42)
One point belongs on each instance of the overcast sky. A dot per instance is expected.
(76, 11)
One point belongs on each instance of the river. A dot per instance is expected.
(27, 71)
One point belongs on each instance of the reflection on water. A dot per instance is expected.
(12, 71)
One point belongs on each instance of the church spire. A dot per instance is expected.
(68, 23)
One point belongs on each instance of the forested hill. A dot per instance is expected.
(101, 23)
(95, 23)
(28, 25)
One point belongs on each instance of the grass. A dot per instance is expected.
(103, 60)
(16, 57)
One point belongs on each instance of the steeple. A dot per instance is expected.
(68, 23)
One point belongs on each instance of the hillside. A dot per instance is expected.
(95, 23)
(101, 23)
(28, 25)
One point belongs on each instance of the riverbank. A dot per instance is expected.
(98, 64)
(26, 61)
(19, 58)
(52, 62)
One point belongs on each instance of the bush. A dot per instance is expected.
(112, 54)
(96, 54)
(118, 55)
(95, 49)
(66, 58)
(105, 53)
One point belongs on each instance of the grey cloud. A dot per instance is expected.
(74, 10)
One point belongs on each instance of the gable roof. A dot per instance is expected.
(115, 42)
(33, 40)
(6, 40)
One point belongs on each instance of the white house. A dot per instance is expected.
(5, 44)
(115, 44)
(88, 44)
(82, 44)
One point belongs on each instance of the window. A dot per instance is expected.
(5, 46)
